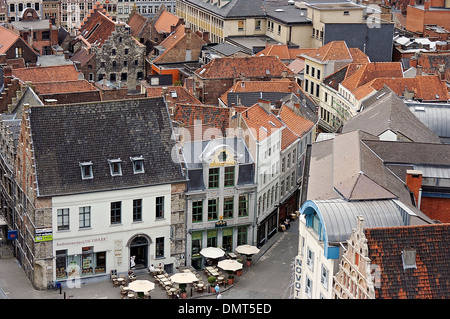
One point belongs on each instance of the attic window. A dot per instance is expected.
(272, 123)
(173, 94)
(409, 258)
(138, 164)
(86, 170)
(115, 167)
(223, 156)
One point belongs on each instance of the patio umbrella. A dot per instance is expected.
(141, 285)
(247, 249)
(212, 252)
(229, 265)
(183, 278)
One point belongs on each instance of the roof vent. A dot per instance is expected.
(409, 258)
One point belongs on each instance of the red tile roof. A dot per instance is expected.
(260, 123)
(182, 95)
(50, 73)
(8, 38)
(137, 22)
(332, 51)
(63, 87)
(97, 28)
(213, 116)
(370, 71)
(165, 20)
(263, 66)
(295, 122)
(429, 279)
(283, 51)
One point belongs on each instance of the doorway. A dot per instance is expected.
(139, 249)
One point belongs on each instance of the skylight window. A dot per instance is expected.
(138, 164)
(86, 170)
(115, 166)
(409, 258)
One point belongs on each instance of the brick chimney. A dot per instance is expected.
(414, 183)
(426, 5)
(413, 61)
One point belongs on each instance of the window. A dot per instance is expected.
(307, 70)
(318, 74)
(308, 287)
(138, 164)
(116, 212)
(112, 77)
(227, 239)
(229, 176)
(137, 210)
(228, 205)
(212, 209)
(85, 217)
(113, 51)
(63, 219)
(243, 205)
(241, 25)
(324, 277)
(159, 247)
(258, 25)
(310, 259)
(115, 167)
(86, 170)
(160, 207)
(213, 177)
(197, 211)
(123, 76)
(18, 52)
(127, 51)
(211, 240)
(242, 235)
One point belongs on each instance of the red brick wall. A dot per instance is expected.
(414, 183)
(416, 18)
(436, 208)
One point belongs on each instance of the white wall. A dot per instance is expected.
(113, 238)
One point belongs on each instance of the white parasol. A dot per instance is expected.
(141, 285)
(212, 252)
(247, 249)
(229, 265)
(183, 278)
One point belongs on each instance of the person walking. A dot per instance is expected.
(219, 296)
(217, 288)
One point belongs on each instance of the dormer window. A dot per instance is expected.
(138, 164)
(115, 167)
(86, 170)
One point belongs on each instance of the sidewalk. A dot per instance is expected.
(14, 283)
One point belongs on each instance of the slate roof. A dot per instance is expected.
(346, 167)
(430, 279)
(272, 90)
(433, 115)
(386, 111)
(66, 135)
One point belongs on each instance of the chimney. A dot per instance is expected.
(412, 3)
(419, 70)
(441, 72)
(414, 183)
(205, 36)
(426, 5)
(172, 28)
(265, 105)
(413, 61)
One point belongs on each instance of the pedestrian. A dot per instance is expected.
(217, 288)
(219, 296)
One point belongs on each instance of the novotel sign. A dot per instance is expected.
(297, 276)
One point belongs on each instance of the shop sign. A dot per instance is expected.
(297, 276)
(12, 234)
(221, 223)
(45, 234)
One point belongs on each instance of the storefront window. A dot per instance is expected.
(61, 259)
(227, 239)
(212, 238)
(100, 263)
(73, 266)
(87, 261)
(242, 235)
